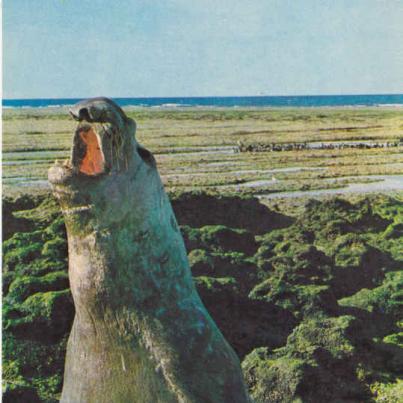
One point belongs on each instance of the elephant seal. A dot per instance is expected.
(140, 333)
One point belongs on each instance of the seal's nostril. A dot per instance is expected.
(80, 114)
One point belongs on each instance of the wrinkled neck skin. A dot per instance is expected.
(141, 332)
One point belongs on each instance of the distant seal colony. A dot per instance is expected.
(141, 333)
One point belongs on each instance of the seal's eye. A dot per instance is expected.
(93, 162)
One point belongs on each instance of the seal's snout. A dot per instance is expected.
(80, 114)
(101, 110)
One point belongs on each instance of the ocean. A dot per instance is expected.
(227, 102)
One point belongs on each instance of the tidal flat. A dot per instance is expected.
(200, 149)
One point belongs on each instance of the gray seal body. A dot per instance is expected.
(141, 332)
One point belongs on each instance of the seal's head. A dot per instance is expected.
(103, 142)
(105, 157)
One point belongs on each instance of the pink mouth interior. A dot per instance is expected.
(93, 162)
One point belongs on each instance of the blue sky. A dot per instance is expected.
(135, 48)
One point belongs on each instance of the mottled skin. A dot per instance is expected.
(141, 332)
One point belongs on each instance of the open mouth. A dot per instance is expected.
(87, 156)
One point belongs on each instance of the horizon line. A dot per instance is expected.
(211, 96)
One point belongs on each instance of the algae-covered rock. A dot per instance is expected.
(386, 299)
(198, 209)
(388, 392)
(245, 323)
(394, 231)
(22, 287)
(219, 238)
(230, 264)
(12, 224)
(37, 305)
(55, 248)
(330, 334)
(296, 341)
(300, 299)
(44, 316)
(294, 275)
(359, 264)
(290, 254)
(356, 218)
(273, 380)
(21, 249)
(13, 393)
(395, 338)
(201, 262)
(216, 285)
(222, 238)
(314, 366)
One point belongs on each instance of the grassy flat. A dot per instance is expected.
(198, 148)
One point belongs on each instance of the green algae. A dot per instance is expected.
(24, 286)
(312, 304)
(387, 298)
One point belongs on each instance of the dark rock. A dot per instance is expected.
(20, 394)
